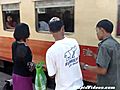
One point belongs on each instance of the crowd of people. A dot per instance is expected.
(62, 58)
(65, 16)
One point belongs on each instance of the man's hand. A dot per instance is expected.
(88, 52)
(44, 67)
(82, 65)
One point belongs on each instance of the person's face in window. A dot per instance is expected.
(9, 18)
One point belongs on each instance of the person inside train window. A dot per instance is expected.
(68, 21)
(62, 58)
(43, 26)
(10, 23)
(22, 56)
(43, 22)
(108, 57)
(64, 13)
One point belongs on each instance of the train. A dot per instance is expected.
(83, 16)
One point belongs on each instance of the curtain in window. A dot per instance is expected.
(9, 1)
(10, 7)
(53, 3)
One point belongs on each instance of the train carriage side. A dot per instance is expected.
(84, 13)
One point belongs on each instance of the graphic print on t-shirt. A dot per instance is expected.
(70, 57)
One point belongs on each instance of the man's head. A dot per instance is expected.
(56, 28)
(104, 28)
(55, 24)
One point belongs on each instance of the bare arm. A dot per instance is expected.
(8, 26)
(88, 52)
(95, 69)
(94, 55)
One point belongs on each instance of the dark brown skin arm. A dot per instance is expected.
(95, 69)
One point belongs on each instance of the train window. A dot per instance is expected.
(11, 16)
(46, 9)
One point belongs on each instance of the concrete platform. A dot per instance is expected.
(3, 77)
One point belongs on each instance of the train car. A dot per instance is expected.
(82, 17)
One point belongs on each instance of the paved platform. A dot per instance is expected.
(3, 77)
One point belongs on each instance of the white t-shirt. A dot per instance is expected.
(62, 60)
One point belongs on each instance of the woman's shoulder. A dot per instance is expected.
(21, 46)
(21, 50)
(14, 44)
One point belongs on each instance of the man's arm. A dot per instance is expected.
(50, 64)
(8, 26)
(88, 52)
(95, 69)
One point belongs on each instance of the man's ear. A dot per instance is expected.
(62, 29)
(103, 30)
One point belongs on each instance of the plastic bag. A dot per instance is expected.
(40, 79)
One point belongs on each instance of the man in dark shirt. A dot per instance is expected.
(107, 60)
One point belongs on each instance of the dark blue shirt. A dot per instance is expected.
(21, 55)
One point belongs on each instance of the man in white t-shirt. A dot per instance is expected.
(62, 59)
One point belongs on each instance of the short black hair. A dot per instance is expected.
(105, 24)
(21, 32)
(55, 24)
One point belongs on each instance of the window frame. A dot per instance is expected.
(61, 4)
(8, 10)
(118, 20)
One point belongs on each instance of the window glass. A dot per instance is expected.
(10, 16)
(45, 10)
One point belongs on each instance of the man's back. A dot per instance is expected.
(62, 59)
